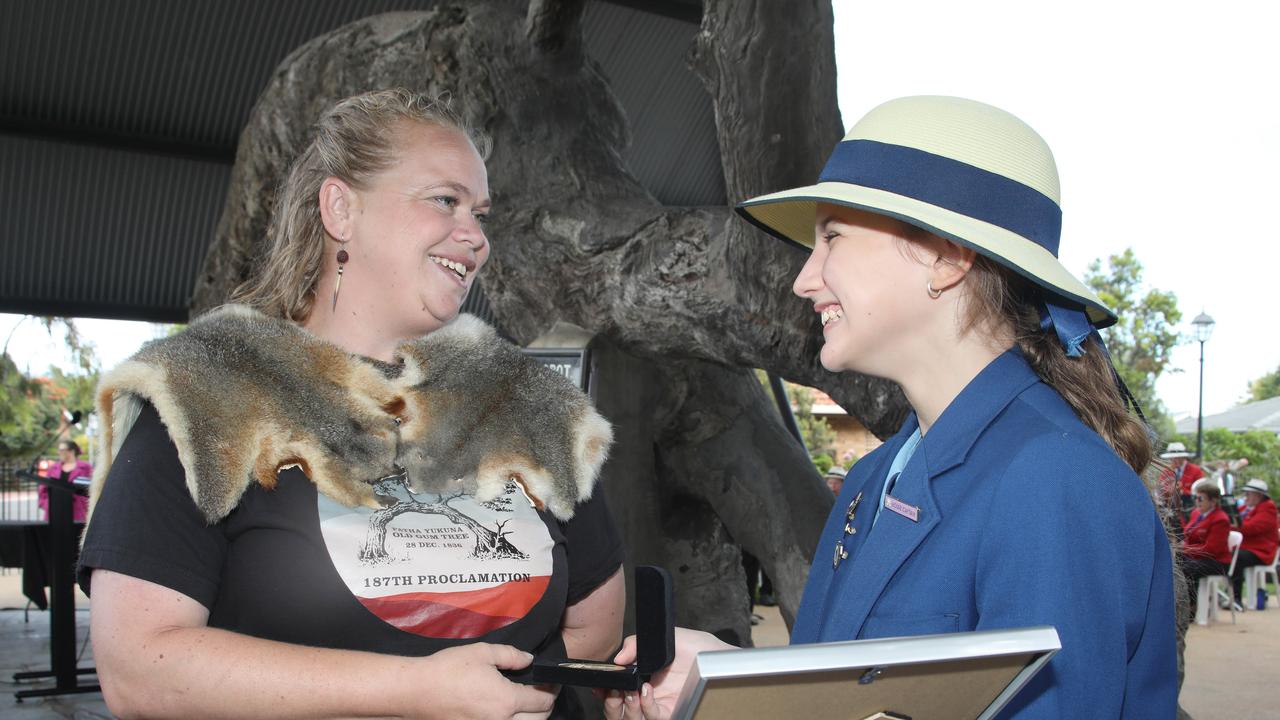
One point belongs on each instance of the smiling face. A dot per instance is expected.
(868, 288)
(415, 235)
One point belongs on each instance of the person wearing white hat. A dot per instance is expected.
(1258, 524)
(835, 479)
(1204, 545)
(1010, 497)
(1176, 479)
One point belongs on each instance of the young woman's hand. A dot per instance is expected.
(657, 699)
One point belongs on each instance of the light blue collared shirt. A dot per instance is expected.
(899, 462)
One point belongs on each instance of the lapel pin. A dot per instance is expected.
(849, 530)
(841, 554)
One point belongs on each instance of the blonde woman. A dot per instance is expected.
(377, 238)
(1010, 497)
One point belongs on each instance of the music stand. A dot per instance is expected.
(62, 597)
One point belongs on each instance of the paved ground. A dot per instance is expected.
(24, 646)
(1233, 671)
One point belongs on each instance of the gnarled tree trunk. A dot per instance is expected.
(683, 300)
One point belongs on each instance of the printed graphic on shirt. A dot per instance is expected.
(441, 566)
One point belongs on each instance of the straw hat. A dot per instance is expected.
(1176, 450)
(965, 171)
(836, 471)
(1258, 486)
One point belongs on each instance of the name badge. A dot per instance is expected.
(910, 512)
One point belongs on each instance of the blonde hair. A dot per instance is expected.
(1087, 383)
(354, 141)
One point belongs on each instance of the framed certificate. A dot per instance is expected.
(958, 675)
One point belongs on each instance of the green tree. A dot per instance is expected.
(1267, 386)
(27, 413)
(1142, 342)
(74, 391)
(31, 407)
(819, 438)
(816, 431)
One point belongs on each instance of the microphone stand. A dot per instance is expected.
(62, 598)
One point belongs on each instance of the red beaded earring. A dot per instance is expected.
(342, 261)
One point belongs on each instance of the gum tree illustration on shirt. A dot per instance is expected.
(489, 544)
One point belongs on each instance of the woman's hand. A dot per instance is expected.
(657, 699)
(464, 682)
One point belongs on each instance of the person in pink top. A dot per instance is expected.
(1204, 548)
(1258, 523)
(68, 468)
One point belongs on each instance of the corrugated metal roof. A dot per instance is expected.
(119, 121)
(673, 152)
(96, 232)
(1260, 415)
(181, 74)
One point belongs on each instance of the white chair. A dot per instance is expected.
(1212, 586)
(1256, 577)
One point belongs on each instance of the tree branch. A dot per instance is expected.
(576, 238)
(553, 25)
(770, 68)
(730, 448)
(673, 282)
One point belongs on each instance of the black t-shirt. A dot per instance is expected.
(423, 573)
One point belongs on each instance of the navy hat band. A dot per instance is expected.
(950, 184)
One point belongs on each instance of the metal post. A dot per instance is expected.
(1200, 413)
(1203, 325)
(784, 409)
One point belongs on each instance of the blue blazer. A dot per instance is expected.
(1025, 517)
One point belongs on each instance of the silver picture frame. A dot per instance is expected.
(968, 674)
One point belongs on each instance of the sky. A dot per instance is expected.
(34, 349)
(1166, 137)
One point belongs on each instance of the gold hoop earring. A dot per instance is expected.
(935, 294)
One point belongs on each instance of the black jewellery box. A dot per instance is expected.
(655, 643)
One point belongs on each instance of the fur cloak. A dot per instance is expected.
(243, 395)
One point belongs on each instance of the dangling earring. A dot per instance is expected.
(935, 294)
(342, 261)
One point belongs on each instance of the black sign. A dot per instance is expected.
(569, 362)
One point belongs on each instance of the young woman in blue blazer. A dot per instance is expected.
(1011, 496)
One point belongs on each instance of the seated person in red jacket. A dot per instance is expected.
(68, 468)
(1204, 547)
(1176, 481)
(1258, 524)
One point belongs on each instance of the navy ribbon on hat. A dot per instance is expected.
(950, 184)
(970, 191)
(980, 194)
(1072, 325)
